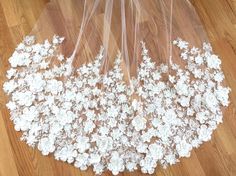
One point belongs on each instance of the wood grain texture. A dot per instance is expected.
(214, 158)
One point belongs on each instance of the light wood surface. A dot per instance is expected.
(20, 17)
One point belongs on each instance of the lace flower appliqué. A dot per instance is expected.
(92, 119)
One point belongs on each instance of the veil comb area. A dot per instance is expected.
(88, 118)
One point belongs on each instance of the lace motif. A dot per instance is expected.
(90, 119)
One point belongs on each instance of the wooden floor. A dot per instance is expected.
(214, 158)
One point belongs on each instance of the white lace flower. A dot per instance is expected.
(11, 105)
(219, 77)
(29, 40)
(156, 122)
(116, 163)
(55, 128)
(148, 165)
(199, 60)
(207, 47)
(54, 86)
(142, 147)
(204, 133)
(170, 116)
(156, 151)
(210, 101)
(104, 144)
(135, 104)
(57, 40)
(116, 134)
(147, 136)
(213, 61)
(82, 161)
(66, 153)
(156, 75)
(182, 44)
(112, 112)
(171, 159)
(131, 166)
(9, 86)
(181, 88)
(164, 131)
(21, 124)
(201, 116)
(184, 101)
(183, 148)
(82, 143)
(43, 64)
(122, 98)
(29, 114)
(222, 95)
(139, 123)
(194, 50)
(90, 114)
(94, 158)
(171, 79)
(104, 130)
(197, 73)
(23, 98)
(37, 58)
(20, 59)
(11, 73)
(46, 146)
(35, 82)
(164, 68)
(89, 126)
(98, 168)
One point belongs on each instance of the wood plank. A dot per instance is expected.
(21, 17)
